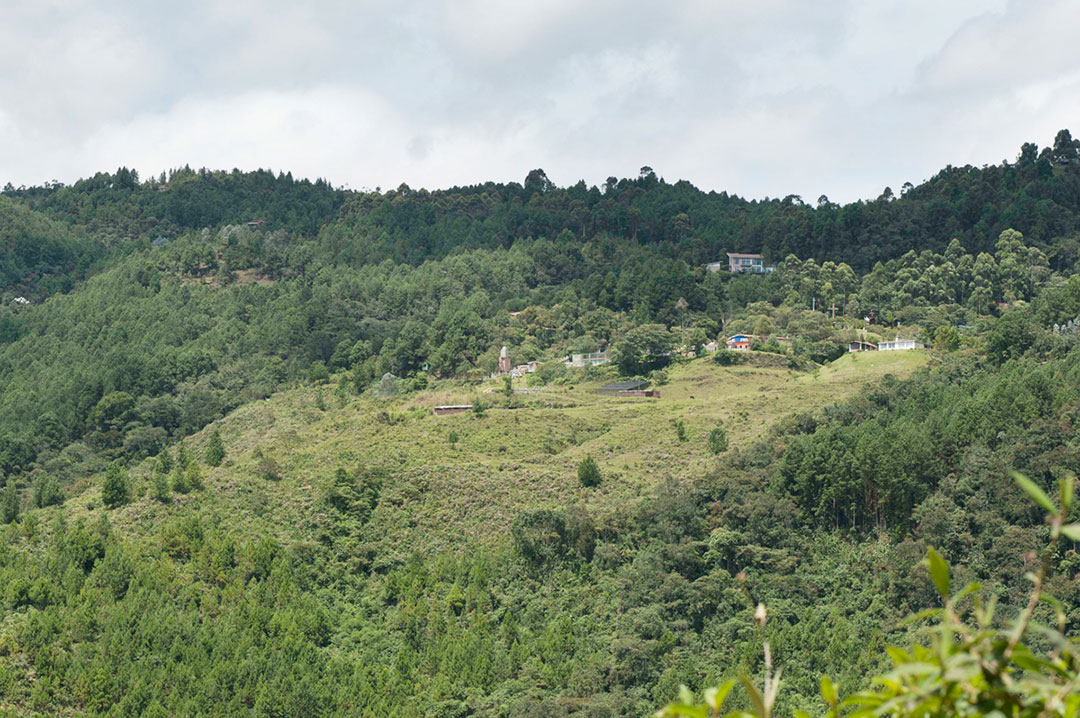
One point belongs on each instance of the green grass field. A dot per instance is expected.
(440, 494)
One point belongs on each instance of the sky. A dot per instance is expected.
(762, 98)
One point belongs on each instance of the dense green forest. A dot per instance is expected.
(141, 316)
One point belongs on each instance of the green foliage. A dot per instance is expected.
(115, 491)
(9, 502)
(193, 477)
(546, 537)
(680, 431)
(972, 667)
(588, 472)
(215, 449)
(946, 338)
(643, 349)
(726, 357)
(179, 481)
(167, 312)
(267, 469)
(45, 490)
(718, 440)
(160, 483)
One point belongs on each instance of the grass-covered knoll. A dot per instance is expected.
(520, 451)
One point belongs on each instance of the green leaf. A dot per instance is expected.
(966, 591)
(1032, 489)
(899, 655)
(714, 697)
(683, 711)
(939, 571)
(1068, 483)
(1071, 531)
(755, 695)
(828, 691)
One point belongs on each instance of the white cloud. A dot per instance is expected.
(767, 98)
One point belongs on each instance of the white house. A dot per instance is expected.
(899, 345)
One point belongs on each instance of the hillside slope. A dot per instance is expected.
(287, 586)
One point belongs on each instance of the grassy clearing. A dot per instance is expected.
(522, 452)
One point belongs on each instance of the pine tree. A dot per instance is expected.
(193, 477)
(116, 491)
(179, 481)
(9, 503)
(215, 450)
(588, 472)
(162, 492)
(183, 458)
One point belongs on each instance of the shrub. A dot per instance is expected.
(588, 472)
(194, 477)
(318, 373)
(46, 491)
(268, 469)
(718, 441)
(545, 536)
(215, 449)
(179, 481)
(162, 491)
(9, 502)
(116, 491)
(680, 430)
(726, 357)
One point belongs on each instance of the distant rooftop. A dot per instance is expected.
(625, 386)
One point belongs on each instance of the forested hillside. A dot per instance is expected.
(225, 490)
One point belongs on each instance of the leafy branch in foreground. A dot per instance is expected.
(972, 667)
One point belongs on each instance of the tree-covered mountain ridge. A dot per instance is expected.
(1037, 194)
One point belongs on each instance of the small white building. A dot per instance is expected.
(899, 345)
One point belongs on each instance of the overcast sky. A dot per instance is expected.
(762, 97)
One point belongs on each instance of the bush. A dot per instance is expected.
(544, 536)
(718, 441)
(9, 502)
(179, 481)
(46, 491)
(194, 477)
(588, 472)
(680, 430)
(726, 357)
(268, 469)
(215, 449)
(318, 373)
(162, 490)
(116, 491)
